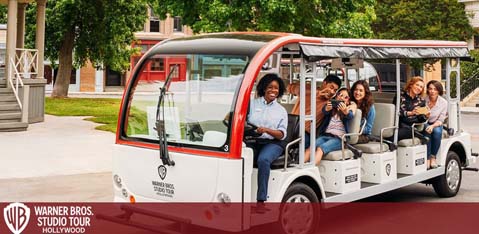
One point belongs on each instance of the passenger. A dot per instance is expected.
(333, 126)
(272, 121)
(362, 96)
(409, 110)
(323, 94)
(438, 107)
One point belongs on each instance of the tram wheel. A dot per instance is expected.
(300, 210)
(448, 184)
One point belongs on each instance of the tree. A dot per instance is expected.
(340, 18)
(422, 19)
(99, 31)
(3, 14)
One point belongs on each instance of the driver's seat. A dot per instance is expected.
(292, 134)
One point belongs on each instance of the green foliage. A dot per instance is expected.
(3, 14)
(422, 19)
(103, 110)
(103, 29)
(340, 18)
(470, 68)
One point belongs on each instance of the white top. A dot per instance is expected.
(438, 111)
(271, 115)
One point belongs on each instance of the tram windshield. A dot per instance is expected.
(198, 98)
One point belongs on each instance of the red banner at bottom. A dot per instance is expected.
(58, 218)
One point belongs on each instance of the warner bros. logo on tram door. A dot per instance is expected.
(162, 172)
(16, 217)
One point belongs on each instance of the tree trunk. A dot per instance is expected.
(65, 57)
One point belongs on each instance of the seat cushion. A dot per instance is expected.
(373, 147)
(387, 113)
(338, 155)
(409, 142)
(354, 126)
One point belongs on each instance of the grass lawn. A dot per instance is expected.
(102, 110)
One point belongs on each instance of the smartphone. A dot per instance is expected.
(335, 103)
(422, 110)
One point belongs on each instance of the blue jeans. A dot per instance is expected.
(328, 144)
(267, 154)
(434, 141)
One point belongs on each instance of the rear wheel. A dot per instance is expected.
(300, 210)
(448, 185)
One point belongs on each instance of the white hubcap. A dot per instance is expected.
(452, 174)
(297, 218)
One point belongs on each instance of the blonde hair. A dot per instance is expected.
(413, 80)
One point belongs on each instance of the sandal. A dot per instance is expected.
(433, 163)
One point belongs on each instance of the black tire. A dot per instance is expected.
(448, 185)
(299, 218)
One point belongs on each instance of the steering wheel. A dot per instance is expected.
(249, 128)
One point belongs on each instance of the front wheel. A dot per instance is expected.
(300, 210)
(448, 184)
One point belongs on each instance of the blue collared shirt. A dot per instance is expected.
(271, 115)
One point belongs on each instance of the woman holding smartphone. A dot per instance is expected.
(412, 109)
(336, 114)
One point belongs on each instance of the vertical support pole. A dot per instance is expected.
(302, 110)
(11, 38)
(398, 98)
(25, 104)
(312, 126)
(21, 25)
(40, 37)
(458, 91)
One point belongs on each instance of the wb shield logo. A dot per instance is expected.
(388, 169)
(16, 217)
(162, 172)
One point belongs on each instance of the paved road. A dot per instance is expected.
(61, 159)
(65, 159)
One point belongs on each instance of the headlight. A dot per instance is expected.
(117, 181)
(124, 192)
(224, 198)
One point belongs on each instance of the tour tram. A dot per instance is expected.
(174, 143)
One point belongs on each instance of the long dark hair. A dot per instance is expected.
(367, 101)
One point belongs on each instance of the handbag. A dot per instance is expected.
(363, 139)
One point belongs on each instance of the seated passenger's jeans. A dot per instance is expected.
(434, 140)
(328, 144)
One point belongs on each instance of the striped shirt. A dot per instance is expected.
(336, 126)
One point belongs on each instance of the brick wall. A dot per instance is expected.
(87, 78)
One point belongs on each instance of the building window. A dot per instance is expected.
(175, 73)
(73, 77)
(154, 24)
(144, 48)
(177, 26)
(476, 41)
(157, 64)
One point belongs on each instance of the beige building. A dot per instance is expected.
(89, 79)
(472, 7)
